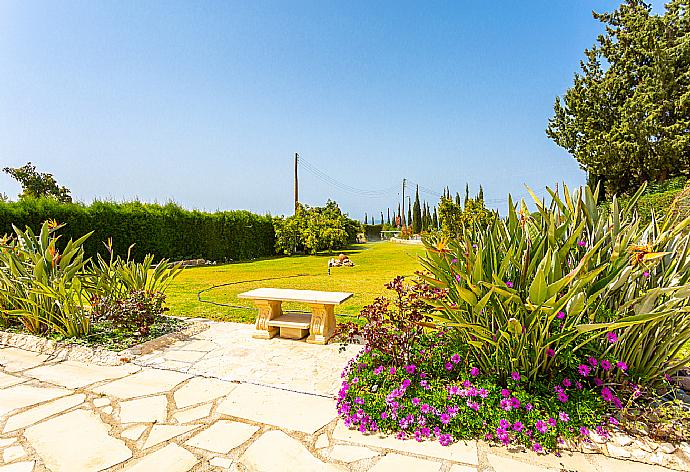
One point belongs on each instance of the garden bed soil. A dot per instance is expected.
(98, 353)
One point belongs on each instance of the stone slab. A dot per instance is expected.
(18, 467)
(146, 382)
(101, 402)
(72, 374)
(281, 408)
(193, 414)
(163, 432)
(506, 464)
(13, 453)
(36, 414)
(201, 390)
(345, 453)
(22, 396)
(144, 410)
(15, 360)
(462, 451)
(275, 451)
(76, 441)
(7, 380)
(399, 463)
(293, 295)
(222, 436)
(134, 432)
(171, 458)
(222, 462)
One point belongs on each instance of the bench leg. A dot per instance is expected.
(268, 310)
(322, 324)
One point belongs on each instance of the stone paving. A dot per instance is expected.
(61, 415)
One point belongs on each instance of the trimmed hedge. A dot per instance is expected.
(168, 231)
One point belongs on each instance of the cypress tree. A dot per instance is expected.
(366, 222)
(416, 214)
(457, 198)
(435, 219)
(389, 216)
(381, 218)
(409, 216)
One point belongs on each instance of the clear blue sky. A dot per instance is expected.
(205, 103)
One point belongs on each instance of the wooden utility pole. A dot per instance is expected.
(296, 185)
(402, 217)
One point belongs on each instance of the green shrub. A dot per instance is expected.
(530, 292)
(135, 312)
(167, 231)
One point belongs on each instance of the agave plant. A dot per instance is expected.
(530, 290)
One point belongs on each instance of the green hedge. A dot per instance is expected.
(167, 231)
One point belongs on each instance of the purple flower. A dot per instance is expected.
(592, 361)
(406, 383)
(606, 365)
(425, 408)
(504, 424)
(613, 421)
(473, 405)
(584, 431)
(563, 416)
(384, 415)
(455, 358)
(541, 427)
(392, 371)
(474, 371)
(562, 397)
(550, 352)
(509, 284)
(410, 368)
(449, 366)
(483, 392)
(622, 365)
(582, 243)
(606, 394)
(454, 261)
(378, 370)
(612, 337)
(583, 370)
(536, 447)
(552, 422)
(514, 402)
(518, 426)
(445, 418)
(645, 274)
(505, 393)
(515, 376)
(529, 407)
(560, 315)
(458, 278)
(567, 382)
(445, 439)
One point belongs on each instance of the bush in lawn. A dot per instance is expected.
(313, 229)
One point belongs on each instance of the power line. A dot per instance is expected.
(324, 177)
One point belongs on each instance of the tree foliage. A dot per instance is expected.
(626, 118)
(453, 217)
(38, 184)
(313, 229)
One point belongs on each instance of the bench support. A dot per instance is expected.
(322, 324)
(268, 310)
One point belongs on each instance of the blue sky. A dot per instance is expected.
(205, 103)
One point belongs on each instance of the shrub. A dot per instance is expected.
(135, 312)
(313, 229)
(168, 231)
(532, 291)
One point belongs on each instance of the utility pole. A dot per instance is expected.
(402, 217)
(296, 185)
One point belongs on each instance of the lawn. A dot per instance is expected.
(375, 264)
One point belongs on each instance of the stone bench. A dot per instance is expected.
(271, 320)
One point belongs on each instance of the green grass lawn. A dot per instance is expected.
(375, 264)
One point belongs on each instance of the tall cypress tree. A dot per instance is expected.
(366, 222)
(416, 214)
(389, 216)
(435, 219)
(399, 220)
(381, 218)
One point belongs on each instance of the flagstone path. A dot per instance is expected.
(66, 416)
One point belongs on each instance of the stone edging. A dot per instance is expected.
(621, 446)
(77, 352)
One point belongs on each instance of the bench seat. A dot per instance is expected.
(292, 325)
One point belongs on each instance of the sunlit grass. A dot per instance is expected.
(375, 264)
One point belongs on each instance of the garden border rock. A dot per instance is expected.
(78, 352)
